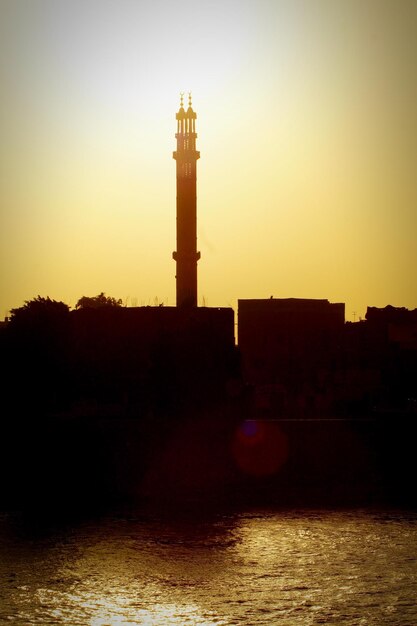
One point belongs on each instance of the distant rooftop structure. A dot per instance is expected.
(291, 304)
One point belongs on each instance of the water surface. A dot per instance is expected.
(259, 567)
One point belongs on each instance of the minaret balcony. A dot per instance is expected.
(191, 257)
(189, 155)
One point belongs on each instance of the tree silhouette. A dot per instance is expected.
(97, 302)
(38, 312)
(39, 346)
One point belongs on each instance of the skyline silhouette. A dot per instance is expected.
(106, 404)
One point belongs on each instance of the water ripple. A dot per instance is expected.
(295, 568)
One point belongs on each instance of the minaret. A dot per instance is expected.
(186, 255)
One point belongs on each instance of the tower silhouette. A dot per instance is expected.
(186, 255)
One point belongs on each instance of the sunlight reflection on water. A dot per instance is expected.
(259, 568)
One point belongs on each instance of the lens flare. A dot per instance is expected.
(259, 447)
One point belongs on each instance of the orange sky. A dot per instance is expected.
(307, 131)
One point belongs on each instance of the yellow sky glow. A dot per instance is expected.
(307, 131)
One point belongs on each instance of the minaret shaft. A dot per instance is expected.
(186, 255)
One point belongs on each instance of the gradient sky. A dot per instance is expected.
(307, 127)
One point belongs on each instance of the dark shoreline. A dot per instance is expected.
(93, 463)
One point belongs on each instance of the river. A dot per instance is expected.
(256, 567)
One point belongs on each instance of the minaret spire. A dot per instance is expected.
(186, 157)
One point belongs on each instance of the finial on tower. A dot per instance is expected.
(181, 98)
(189, 99)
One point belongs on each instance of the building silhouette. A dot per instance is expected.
(186, 255)
(291, 349)
(380, 358)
